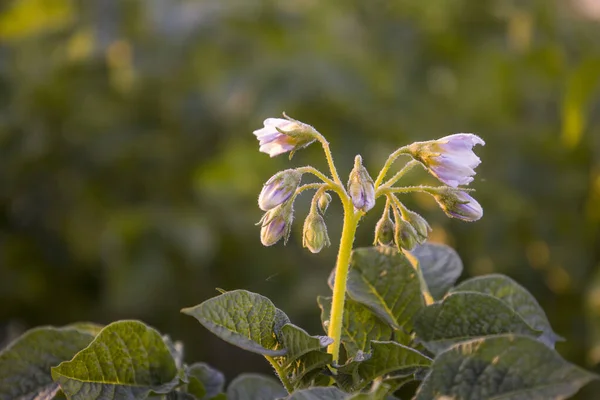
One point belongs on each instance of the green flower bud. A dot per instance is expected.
(315, 232)
(405, 235)
(361, 187)
(384, 230)
(323, 202)
(419, 223)
(276, 224)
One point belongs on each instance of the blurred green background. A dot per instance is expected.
(129, 173)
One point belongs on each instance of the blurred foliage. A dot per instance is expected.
(129, 172)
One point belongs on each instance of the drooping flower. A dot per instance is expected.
(384, 230)
(278, 189)
(280, 135)
(450, 159)
(458, 204)
(314, 236)
(361, 187)
(276, 224)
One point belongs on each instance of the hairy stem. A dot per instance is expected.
(281, 374)
(388, 164)
(407, 167)
(341, 274)
(329, 157)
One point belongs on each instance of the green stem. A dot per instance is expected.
(329, 157)
(282, 376)
(407, 167)
(388, 164)
(341, 274)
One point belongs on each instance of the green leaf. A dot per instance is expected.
(466, 315)
(386, 358)
(127, 360)
(319, 393)
(205, 382)
(378, 391)
(517, 298)
(297, 342)
(254, 387)
(87, 327)
(440, 265)
(25, 364)
(508, 367)
(359, 326)
(241, 318)
(385, 281)
(304, 366)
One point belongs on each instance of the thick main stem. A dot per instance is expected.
(341, 274)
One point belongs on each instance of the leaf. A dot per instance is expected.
(297, 342)
(127, 360)
(378, 392)
(205, 382)
(254, 387)
(440, 265)
(319, 393)
(386, 357)
(359, 326)
(507, 367)
(241, 318)
(466, 315)
(303, 366)
(86, 327)
(517, 298)
(385, 281)
(25, 364)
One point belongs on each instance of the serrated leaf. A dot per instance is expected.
(127, 360)
(298, 343)
(298, 369)
(25, 364)
(385, 281)
(517, 298)
(466, 315)
(205, 382)
(319, 393)
(440, 265)
(242, 318)
(386, 358)
(359, 326)
(507, 367)
(255, 387)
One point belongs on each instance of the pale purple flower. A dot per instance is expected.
(450, 159)
(459, 204)
(361, 187)
(280, 135)
(279, 189)
(276, 224)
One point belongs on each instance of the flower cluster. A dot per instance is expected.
(450, 159)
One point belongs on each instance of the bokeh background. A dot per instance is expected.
(129, 173)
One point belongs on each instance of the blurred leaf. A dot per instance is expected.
(29, 17)
(320, 393)
(126, 360)
(502, 367)
(87, 327)
(241, 318)
(466, 315)
(205, 382)
(517, 298)
(360, 326)
(440, 265)
(254, 387)
(386, 358)
(385, 281)
(25, 364)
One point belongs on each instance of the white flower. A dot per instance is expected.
(450, 159)
(280, 135)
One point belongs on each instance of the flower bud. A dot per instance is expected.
(384, 230)
(279, 189)
(280, 135)
(458, 204)
(419, 223)
(450, 159)
(361, 187)
(276, 224)
(405, 235)
(323, 202)
(315, 232)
